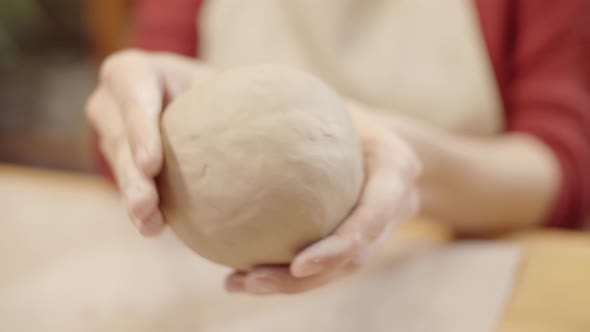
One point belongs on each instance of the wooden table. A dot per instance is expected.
(552, 291)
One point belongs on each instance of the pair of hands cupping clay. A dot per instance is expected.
(260, 162)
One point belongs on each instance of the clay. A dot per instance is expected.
(259, 162)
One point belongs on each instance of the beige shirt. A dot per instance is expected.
(424, 58)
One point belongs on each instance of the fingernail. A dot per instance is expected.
(139, 200)
(261, 285)
(235, 283)
(152, 225)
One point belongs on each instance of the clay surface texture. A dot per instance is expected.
(260, 161)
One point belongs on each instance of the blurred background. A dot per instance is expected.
(49, 52)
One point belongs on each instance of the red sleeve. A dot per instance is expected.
(166, 25)
(541, 55)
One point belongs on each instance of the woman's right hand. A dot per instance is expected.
(124, 110)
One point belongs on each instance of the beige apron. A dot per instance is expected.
(425, 58)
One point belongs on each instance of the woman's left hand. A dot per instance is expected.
(389, 197)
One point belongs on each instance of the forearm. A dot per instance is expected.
(481, 185)
(488, 186)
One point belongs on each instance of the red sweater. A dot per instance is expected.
(540, 51)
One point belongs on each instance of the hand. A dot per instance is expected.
(389, 197)
(124, 110)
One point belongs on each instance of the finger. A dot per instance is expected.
(138, 191)
(140, 194)
(371, 220)
(139, 93)
(327, 254)
(405, 210)
(392, 154)
(103, 116)
(278, 280)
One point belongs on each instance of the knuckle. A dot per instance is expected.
(91, 109)
(132, 102)
(109, 67)
(112, 66)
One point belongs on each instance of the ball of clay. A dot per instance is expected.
(259, 162)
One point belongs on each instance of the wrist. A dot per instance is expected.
(437, 150)
(440, 154)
